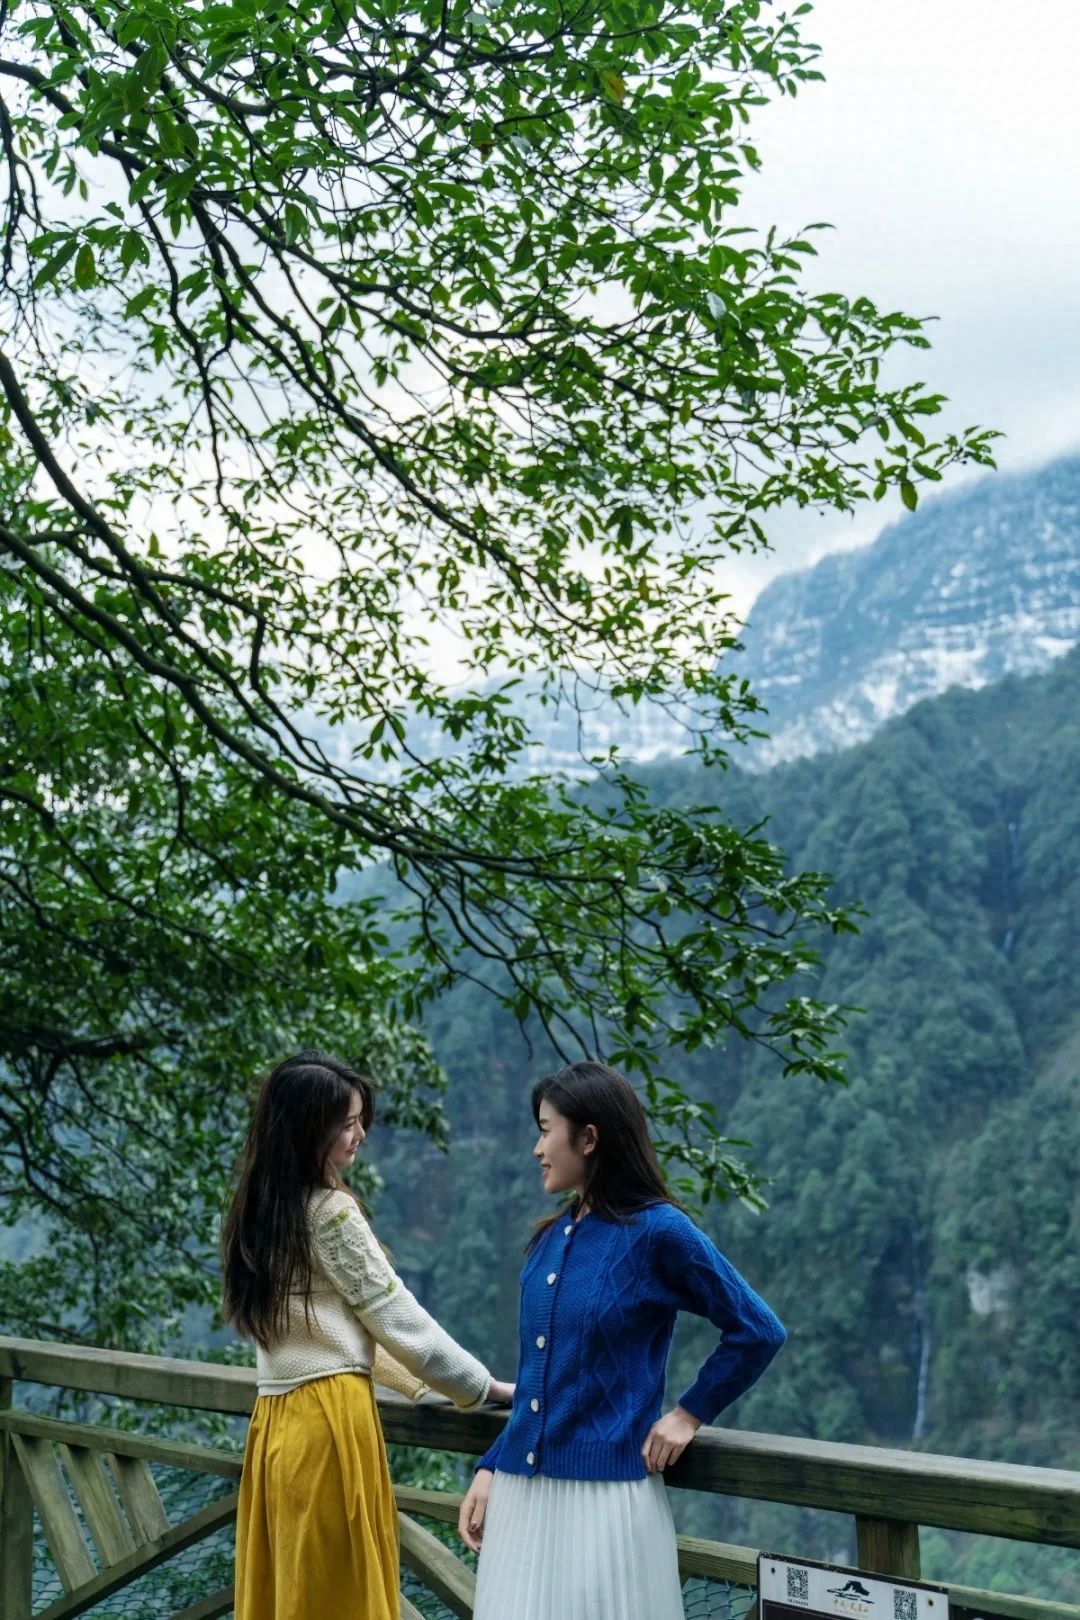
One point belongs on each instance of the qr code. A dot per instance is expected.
(905, 1605)
(798, 1587)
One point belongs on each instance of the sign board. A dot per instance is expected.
(791, 1588)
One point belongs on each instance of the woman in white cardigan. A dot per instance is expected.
(306, 1278)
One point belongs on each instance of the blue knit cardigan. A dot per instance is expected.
(599, 1300)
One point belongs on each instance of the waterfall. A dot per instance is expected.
(922, 1328)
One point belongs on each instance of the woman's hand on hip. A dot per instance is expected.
(474, 1509)
(668, 1439)
(500, 1394)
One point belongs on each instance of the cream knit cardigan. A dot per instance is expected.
(359, 1308)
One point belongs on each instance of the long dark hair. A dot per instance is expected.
(265, 1237)
(622, 1174)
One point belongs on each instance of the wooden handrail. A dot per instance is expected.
(165, 1380)
(121, 1443)
(875, 1484)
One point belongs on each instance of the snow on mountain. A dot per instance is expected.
(976, 585)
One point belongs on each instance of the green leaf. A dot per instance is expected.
(140, 302)
(85, 268)
(133, 250)
(52, 266)
(143, 183)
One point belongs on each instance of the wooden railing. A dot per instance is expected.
(48, 1466)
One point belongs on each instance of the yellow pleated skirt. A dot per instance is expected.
(316, 1530)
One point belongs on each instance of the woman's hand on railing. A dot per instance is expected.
(474, 1507)
(500, 1394)
(668, 1439)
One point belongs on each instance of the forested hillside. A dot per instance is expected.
(921, 1237)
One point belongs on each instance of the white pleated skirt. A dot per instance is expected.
(573, 1549)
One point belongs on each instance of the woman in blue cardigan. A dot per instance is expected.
(568, 1508)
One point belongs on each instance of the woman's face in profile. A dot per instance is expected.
(562, 1163)
(349, 1138)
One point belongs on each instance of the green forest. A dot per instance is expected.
(920, 1240)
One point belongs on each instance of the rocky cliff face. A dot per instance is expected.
(974, 586)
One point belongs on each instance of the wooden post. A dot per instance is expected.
(452, 1582)
(16, 1527)
(888, 1547)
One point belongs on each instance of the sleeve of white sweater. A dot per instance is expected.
(350, 1255)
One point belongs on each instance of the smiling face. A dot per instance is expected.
(347, 1142)
(563, 1159)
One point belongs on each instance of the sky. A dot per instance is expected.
(944, 147)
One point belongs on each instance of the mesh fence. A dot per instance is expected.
(182, 1580)
(716, 1600)
(206, 1567)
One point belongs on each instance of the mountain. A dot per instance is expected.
(975, 585)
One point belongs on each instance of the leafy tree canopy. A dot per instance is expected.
(326, 331)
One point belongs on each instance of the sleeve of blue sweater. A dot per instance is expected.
(490, 1459)
(703, 1282)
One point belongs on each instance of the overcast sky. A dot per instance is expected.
(944, 147)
